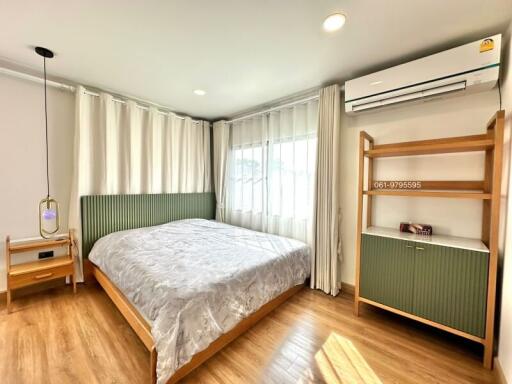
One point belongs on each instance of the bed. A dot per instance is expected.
(191, 285)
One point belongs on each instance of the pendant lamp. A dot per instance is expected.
(48, 206)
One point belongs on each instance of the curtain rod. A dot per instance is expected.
(301, 101)
(143, 107)
(290, 104)
(67, 87)
(70, 88)
(36, 79)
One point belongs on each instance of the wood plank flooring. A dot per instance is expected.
(55, 337)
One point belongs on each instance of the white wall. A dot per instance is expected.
(457, 116)
(505, 339)
(22, 157)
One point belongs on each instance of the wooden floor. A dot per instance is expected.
(55, 337)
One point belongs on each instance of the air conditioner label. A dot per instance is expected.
(486, 45)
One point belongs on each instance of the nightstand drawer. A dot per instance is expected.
(22, 280)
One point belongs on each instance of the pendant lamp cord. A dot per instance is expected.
(46, 130)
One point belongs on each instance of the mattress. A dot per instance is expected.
(194, 280)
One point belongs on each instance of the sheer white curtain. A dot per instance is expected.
(121, 148)
(271, 173)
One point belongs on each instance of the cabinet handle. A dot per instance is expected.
(409, 246)
(38, 277)
(420, 248)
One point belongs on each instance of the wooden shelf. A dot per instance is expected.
(448, 194)
(35, 245)
(40, 265)
(431, 185)
(431, 147)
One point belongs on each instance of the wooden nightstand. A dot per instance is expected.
(34, 272)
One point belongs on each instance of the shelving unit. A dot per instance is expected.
(487, 190)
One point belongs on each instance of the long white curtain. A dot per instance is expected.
(271, 172)
(121, 148)
(221, 138)
(326, 258)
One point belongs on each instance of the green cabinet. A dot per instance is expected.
(440, 283)
(387, 271)
(450, 287)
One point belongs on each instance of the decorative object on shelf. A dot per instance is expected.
(49, 221)
(403, 184)
(421, 264)
(418, 229)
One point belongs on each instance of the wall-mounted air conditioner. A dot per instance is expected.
(469, 68)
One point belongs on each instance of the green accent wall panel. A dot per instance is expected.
(387, 271)
(104, 214)
(450, 287)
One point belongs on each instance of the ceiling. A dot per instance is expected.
(243, 53)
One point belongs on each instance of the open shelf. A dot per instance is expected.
(449, 194)
(431, 147)
(35, 245)
(40, 265)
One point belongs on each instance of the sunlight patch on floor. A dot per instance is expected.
(340, 362)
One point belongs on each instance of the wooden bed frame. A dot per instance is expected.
(143, 329)
(104, 214)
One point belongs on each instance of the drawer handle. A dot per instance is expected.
(38, 277)
(408, 246)
(420, 248)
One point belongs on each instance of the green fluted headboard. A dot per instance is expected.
(104, 214)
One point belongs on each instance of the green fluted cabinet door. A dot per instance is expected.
(387, 271)
(450, 287)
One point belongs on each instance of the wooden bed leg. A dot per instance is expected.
(8, 300)
(488, 354)
(152, 365)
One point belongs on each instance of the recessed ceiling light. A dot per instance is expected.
(334, 22)
(200, 92)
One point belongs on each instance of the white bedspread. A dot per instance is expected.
(194, 280)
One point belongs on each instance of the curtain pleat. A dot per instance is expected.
(206, 163)
(120, 148)
(221, 142)
(325, 263)
(167, 156)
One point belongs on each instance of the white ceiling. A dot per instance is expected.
(244, 53)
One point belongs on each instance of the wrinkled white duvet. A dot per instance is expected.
(194, 280)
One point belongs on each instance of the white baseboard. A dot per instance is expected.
(347, 288)
(500, 376)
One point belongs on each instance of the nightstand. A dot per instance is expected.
(35, 272)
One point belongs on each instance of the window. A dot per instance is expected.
(271, 173)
